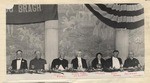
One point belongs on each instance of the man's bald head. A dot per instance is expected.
(131, 54)
(38, 54)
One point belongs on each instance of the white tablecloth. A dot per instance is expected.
(68, 75)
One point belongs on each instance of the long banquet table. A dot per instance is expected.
(66, 75)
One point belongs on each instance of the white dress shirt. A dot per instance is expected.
(99, 61)
(115, 63)
(79, 62)
(19, 63)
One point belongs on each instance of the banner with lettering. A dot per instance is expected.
(31, 13)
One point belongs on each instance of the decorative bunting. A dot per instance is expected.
(124, 15)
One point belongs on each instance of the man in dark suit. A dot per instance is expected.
(37, 62)
(19, 63)
(114, 62)
(131, 62)
(79, 62)
(60, 63)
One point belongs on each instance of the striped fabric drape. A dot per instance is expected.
(125, 15)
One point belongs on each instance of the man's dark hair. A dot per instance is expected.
(98, 54)
(115, 51)
(18, 51)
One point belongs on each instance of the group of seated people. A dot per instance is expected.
(78, 62)
(115, 62)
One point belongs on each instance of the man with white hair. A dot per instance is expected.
(79, 62)
(131, 61)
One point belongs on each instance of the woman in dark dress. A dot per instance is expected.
(98, 62)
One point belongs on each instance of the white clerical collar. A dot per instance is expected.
(60, 59)
(131, 58)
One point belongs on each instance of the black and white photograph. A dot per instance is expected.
(46, 41)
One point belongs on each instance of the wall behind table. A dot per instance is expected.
(79, 29)
(136, 43)
(26, 37)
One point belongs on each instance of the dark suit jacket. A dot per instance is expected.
(74, 62)
(38, 63)
(131, 62)
(59, 62)
(23, 64)
(109, 62)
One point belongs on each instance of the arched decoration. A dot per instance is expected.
(128, 16)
